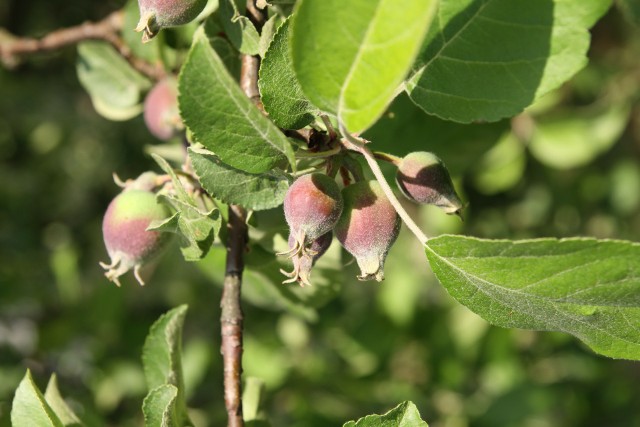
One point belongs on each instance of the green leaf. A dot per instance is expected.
(55, 400)
(233, 186)
(195, 226)
(159, 407)
(252, 394)
(161, 356)
(404, 415)
(586, 287)
(350, 57)
(239, 29)
(114, 86)
(569, 139)
(196, 229)
(268, 31)
(30, 407)
(502, 167)
(280, 91)
(489, 59)
(223, 119)
(227, 54)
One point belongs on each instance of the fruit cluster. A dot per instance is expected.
(362, 218)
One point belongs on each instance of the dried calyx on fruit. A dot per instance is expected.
(304, 261)
(368, 226)
(312, 207)
(158, 14)
(161, 114)
(124, 228)
(423, 178)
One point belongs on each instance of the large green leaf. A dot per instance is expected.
(489, 59)
(30, 408)
(280, 91)
(586, 287)
(161, 357)
(233, 186)
(404, 415)
(223, 119)
(350, 57)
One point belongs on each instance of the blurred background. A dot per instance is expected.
(568, 166)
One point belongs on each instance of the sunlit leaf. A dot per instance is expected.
(350, 57)
(489, 59)
(404, 415)
(57, 403)
(30, 408)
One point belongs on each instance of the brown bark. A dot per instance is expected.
(231, 317)
(13, 49)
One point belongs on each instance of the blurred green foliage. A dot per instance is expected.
(370, 346)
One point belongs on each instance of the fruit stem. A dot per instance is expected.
(358, 144)
(395, 160)
(301, 172)
(329, 126)
(301, 154)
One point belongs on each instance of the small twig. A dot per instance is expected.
(231, 317)
(13, 48)
(356, 144)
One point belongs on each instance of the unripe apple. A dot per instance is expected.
(158, 14)
(423, 178)
(304, 261)
(161, 114)
(312, 207)
(368, 226)
(124, 229)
